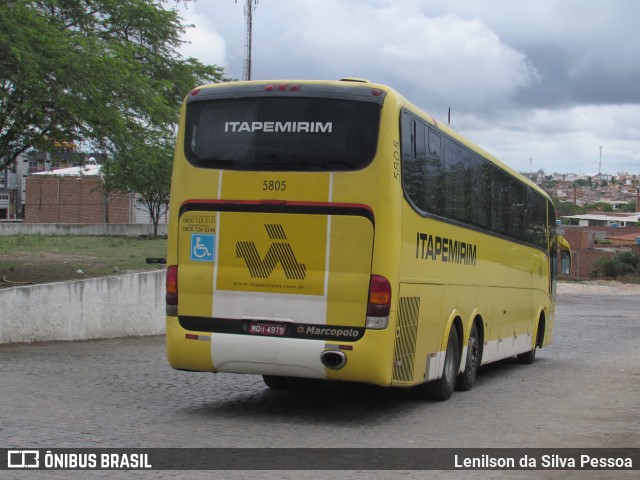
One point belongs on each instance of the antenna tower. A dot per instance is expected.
(249, 8)
(600, 165)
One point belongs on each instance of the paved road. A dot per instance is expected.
(583, 391)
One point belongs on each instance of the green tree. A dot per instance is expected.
(605, 207)
(564, 209)
(143, 168)
(106, 72)
(551, 183)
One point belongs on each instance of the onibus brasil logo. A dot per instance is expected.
(280, 251)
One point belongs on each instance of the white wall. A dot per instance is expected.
(95, 229)
(117, 306)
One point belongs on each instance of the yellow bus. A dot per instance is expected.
(332, 230)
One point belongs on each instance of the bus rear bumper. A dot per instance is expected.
(290, 357)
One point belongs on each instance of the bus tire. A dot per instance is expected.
(275, 382)
(301, 384)
(527, 358)
(442, 389)
(467, 378)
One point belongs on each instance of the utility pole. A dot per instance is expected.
(249, 7)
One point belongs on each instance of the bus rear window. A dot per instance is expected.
(282, 134)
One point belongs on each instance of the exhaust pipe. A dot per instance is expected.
(333, 359)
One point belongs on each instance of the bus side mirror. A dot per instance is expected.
(565, 255)
(565, 262)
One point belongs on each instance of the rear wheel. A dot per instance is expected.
(289, 383)
(527, 358)
(275, 382)
(296, 383)
(467, 378)
(442, 389)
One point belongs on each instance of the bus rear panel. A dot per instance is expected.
(274, 250)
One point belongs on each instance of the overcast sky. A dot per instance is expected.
(541, 84)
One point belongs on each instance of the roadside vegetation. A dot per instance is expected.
(27, 259)
(624, 266)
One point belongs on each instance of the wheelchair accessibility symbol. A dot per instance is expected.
(202, 247)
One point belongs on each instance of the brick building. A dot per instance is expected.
(588, 244)
(74, 199)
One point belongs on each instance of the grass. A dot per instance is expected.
(42, 258)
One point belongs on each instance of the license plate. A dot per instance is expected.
(269, 329)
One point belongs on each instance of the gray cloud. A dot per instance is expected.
(544, 79)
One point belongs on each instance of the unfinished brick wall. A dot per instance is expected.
(585, 251)
(582, 263)
(580, 239)
(68, 199)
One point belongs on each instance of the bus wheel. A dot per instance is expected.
(275, 382)
(296, 383)
(442, 389)
(467, 378)
(527, 358)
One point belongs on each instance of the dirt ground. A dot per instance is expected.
(29, 266)
(44, 273)
(600, 287)
(44, 269)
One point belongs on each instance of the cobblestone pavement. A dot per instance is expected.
(582, 391)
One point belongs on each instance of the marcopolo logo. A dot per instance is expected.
(328, 331)
(279, 252)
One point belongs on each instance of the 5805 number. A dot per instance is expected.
(274, 185)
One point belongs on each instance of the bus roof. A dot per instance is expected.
(353, 88)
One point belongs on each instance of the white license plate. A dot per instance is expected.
(269, 329)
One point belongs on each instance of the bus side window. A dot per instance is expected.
(456, 166)
(500, 202)
(411, 167)
(516, 211)
(407, 135)
(434, 174)
(480, 185)
(421, 163)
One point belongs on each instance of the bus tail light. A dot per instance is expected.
(379, 304)
(172, 290)
(294, 87)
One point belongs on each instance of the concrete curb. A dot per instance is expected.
(108, 307)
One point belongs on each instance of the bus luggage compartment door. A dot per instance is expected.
(303, 269)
